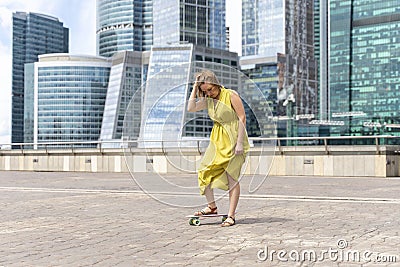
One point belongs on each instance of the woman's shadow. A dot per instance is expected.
(258, 220)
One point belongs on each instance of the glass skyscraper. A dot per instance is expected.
(364, 65)
(135, 25)
(128, 73)
(33, 34)
(263, 37)
(278, 51)
(264, 76)
(124, 25)
(263, 27)
(321, 54)
(200, 22)
(165, 93)
(69, 96)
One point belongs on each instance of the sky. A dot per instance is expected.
(80, 17)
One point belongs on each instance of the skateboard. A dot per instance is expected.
(195, 219)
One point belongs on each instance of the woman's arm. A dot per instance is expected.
(194, 103)
(239, 109)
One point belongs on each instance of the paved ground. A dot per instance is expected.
(87, 219)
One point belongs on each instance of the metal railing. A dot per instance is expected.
(200, 144)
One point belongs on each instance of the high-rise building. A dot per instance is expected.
(321, 54)
(200, 22)
(364, 65)
(135, 25)
(124, 25)
(128, 74)
(66, 102)
(265, 76)
(33, 34)
(263, 28)
(281, 33)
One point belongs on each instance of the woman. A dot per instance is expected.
(225, 155)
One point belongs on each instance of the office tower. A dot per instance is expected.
(281, 33)
(68, 99)
(321, 55)
(263, 28)
(33, 34)
(265, 76)
(123, 25)
(364, 66)
(29, 110)
(128, 73)
(228, 36)
(135, 25)
(200, 22)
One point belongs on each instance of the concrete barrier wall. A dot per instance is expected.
(345, 161)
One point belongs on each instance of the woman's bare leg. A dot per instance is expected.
(209, 193)
(211, 207)
(234, 194)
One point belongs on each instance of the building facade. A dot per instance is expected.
(135, 25)
(68, 99)
(321, 38)
(364, 66)
(281, 33)
(124, 25)
(128, 74)
(263, 28)
(199, 22)
(33, 34)
(263, 73)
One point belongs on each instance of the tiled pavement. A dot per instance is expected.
(92, 219)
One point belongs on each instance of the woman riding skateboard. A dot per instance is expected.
(225, 155)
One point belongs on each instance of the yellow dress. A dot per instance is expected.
(220, 157)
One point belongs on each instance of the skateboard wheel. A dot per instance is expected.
(196, 222)
(224, 218)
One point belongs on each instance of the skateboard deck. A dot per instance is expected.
(195, 219)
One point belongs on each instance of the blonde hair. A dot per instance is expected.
(205, 76)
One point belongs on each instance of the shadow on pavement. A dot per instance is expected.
(252, 220)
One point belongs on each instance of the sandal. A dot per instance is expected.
(230, 221)
(206, 211)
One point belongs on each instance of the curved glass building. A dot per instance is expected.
(124, 25)
(69, 97)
